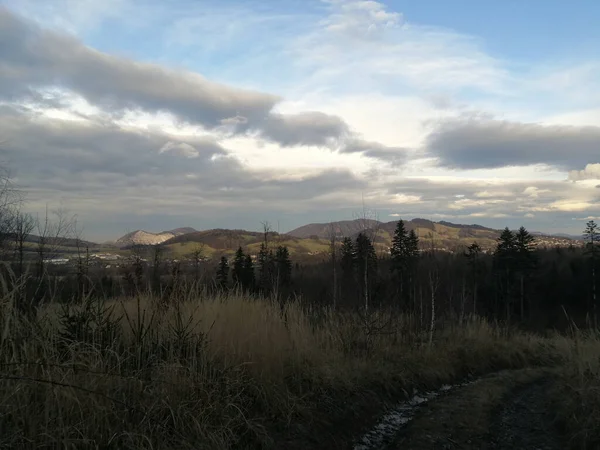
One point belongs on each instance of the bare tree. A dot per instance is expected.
(266, 230)
(24, 224)
(10, 201)
(83, 262)
(434, 281)
(196, 257)
(157, 257)
(332, 232)
(53, 232)
(369, 225)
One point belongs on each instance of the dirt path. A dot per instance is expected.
(508, 410)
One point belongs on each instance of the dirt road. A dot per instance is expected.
(508, 410)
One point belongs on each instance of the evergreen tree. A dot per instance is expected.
(591, 234)
(238, 267)
(248, 279)
(525, 262)
(505, 258)
(223, 273)
(404, 254)
(266, 268)
(284, 266)
(412, 247)
(348, 259)
(348, 266)
(399, 249)
(473, 255)
(366, 265)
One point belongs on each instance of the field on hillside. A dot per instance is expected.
(228, 371)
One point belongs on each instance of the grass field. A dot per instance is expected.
(229, 371)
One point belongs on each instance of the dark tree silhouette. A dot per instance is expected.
(238, 267)
(505, 266)
(525, 263)
(223, 273)
(366, 265)
(591, 235)
(249, 279)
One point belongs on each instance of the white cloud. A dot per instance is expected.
(590, 172)
(180, 148)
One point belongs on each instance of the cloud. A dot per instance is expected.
(474, 144)
(360, 19)
(307, 128)
(590, 172)
(34, 58)
(586, 218)
(105, 169)
(364, 46)
(396, 156)
(180, 148)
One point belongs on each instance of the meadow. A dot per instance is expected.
(230, 370)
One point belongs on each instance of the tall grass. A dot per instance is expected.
(578, 396)
(220, 371)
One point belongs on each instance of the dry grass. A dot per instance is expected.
(221, 372)
(578, 396)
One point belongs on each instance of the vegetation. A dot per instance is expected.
(222, 370)
(261, 351)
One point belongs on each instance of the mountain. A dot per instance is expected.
(63, 242)
(141, 237)
(180, 231)
(314, 239)
(323, 230)
(440, 235)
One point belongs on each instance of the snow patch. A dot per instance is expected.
(389, 426)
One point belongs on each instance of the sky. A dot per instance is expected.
(157, 114)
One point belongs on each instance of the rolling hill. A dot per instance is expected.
(141, 237)
(439, 235)
(314, 239)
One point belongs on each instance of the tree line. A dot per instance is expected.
(517, 282)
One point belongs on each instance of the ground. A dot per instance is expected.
(507, 410)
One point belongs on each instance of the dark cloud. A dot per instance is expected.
(473, 144)
(120, 167)
(80, 146)
(307, 128)
(34, 59)
(396, 156)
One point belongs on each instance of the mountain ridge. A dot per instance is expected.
(313, 238)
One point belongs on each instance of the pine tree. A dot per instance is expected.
(473, 255)
(404, 254)
(348, 269)
(238, 267)
(505, 258)
(248, 279)
(284, 266)
(399, 249)
(592, 235)
(366, 264)
(223, 273)
(412, 255)
(266, 268)
(348, 259)
(525, 262)
(412, 248)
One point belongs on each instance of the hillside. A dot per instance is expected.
(314, 239)
(141, 237)
(439, 235)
